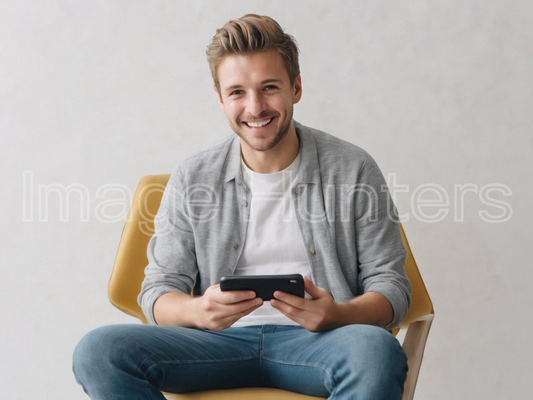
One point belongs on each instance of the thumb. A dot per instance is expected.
(313, 290)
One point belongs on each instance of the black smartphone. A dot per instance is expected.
(264, 286)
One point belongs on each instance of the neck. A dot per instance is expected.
(275, 159)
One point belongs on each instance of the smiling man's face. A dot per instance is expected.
(257, 97)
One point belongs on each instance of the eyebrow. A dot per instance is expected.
(237, 86)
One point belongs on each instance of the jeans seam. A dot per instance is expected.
(303, 365)
(176, 362)
(261, 354)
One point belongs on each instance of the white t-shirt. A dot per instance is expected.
(273, 243)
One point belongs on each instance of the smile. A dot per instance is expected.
(258, 124)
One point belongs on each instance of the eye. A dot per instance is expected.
(270, 87)
(235, 93)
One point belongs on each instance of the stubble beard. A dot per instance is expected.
(282, 132)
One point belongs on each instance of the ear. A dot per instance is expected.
(221, 103)
(297, 89)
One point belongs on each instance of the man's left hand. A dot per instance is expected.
(321, 313)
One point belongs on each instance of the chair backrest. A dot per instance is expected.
(421, 304)
(130, 262)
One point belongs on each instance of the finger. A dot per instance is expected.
(236, 296)
(290, 299)
(229, 320)
(306, 319)
(240, 308)
(313, 290)
(292, 305)
(221, 304)
(298, 315)
(231, 296)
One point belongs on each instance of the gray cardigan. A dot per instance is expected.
(342, 205)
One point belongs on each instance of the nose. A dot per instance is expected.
(256, 104)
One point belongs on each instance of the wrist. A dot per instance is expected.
(194, 313)
(345, 314)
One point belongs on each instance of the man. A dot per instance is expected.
(277, 198)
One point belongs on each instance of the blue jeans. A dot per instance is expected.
(132, 362)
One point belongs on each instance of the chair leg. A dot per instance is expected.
(414, 345)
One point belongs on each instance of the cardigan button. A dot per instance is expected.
(235, 246)
(312, 251)
(244, 203)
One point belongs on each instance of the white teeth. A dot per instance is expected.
(258, 124)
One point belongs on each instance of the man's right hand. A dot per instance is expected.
(219, 310)
(215, 310)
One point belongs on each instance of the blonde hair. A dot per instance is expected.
(249, 34)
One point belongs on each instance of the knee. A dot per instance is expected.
(371, 339)
(96, 353)
(374, 365)
(376, 352)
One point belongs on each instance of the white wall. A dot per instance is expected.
(94, 93)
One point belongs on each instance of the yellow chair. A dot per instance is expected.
(128, 274)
